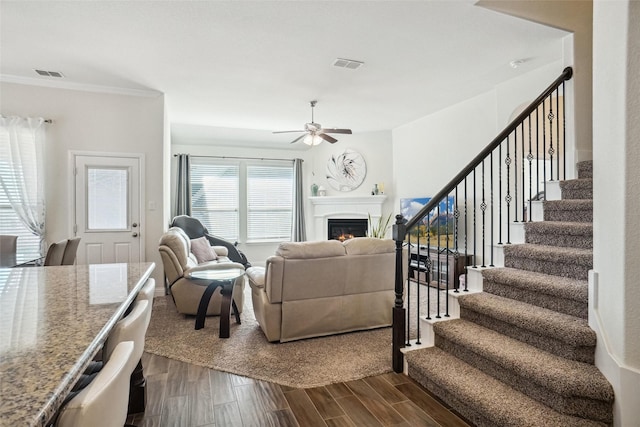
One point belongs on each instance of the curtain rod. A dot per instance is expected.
(238, 158)
(45, 120)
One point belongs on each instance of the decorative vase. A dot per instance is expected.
(375, 191)
(314, 189)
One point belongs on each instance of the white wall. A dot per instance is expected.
(375, 148)
(87, 121)
(614, 291)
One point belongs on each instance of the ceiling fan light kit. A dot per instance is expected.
(315, 133)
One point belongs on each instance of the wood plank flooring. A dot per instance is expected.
(181, 394)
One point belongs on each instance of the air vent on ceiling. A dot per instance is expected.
(49, 73)
(347, 63)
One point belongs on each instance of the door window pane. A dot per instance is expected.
(107, 198)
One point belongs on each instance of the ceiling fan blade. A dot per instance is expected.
(347, 131)
(298, 138)
(289, 131)
(327, 138)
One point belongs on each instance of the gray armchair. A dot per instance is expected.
(194, 229)
(179, 262)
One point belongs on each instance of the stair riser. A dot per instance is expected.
(568, 215)
(564, 240)
(577, 406)
(585, 169)
(549, 344)
(579, 194)
(551, 302)
(567, 268)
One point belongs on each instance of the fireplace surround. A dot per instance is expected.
(343, 207)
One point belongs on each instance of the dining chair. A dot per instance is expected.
(70, 251)
(8, 249)
(148, 291)
(102, 403)
(55, 253)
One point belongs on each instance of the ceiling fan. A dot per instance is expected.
(314, 133)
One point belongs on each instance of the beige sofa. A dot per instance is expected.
(179, 263)
(311, 289)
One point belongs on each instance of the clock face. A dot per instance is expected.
(346, 171)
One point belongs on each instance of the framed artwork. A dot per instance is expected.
(433, 225)
(346, 171)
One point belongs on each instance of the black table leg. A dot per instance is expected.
(204, 304)
(225, 309)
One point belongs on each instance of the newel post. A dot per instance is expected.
(399, 233)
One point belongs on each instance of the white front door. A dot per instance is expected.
(107, 208)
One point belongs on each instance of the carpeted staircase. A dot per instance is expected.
(522, 353)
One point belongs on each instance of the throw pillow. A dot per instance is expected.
(203, 251)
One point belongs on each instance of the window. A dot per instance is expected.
(28, 243)
(243, 200)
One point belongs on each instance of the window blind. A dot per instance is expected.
(215, 196)
(269, 202)
(28, 244)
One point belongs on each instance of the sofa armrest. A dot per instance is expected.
(213, 265)
(221, 250)
(256, 277)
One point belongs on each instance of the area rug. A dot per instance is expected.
(302, 364)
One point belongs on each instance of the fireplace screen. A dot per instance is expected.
(344, 229)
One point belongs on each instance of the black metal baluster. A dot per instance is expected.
(475, 231)
(408, 298)
(491, 202)
(483, 208)
(558, 136)
(564, 132)
(544, 153)
(428, 264)
(439, 265)
(446, 301)
(530, 158)
(418, 330)
(537, 153)
(515, 174)
(500, 193)
(507, 198)
(466, 226)
(456, 215)
(551, 116)
(524, 207)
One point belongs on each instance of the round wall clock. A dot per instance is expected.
(346, 171)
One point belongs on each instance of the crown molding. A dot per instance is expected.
(78, 86)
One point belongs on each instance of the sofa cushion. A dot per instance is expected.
(203, 251)
(305, 250)
(369, 246)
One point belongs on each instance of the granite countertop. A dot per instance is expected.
(53, 320)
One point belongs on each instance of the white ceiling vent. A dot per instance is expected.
(347, 63)
(49, 73)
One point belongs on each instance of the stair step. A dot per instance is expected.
(558, 233)
(482, 399)
(585, 169)
(568, 210)
(569, 387)
(561, 334)
(554, 260)
(577, 188)
(561, 294)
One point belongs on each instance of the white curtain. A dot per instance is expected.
(22, 179)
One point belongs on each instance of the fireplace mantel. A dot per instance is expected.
(325, 207)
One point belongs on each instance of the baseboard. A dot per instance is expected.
(624, 379)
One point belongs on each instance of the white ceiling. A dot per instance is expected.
(226, 65)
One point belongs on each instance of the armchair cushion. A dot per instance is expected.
(203, 251)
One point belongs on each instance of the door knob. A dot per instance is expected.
(134, 225)
(135, 234)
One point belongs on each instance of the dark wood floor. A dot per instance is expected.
(181, 394)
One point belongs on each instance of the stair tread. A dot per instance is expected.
(490, 397)
(563, 327)
(564, 287)
(566, 377)
(579, 183)
(551, 253)
(560, 227)
(568, 204)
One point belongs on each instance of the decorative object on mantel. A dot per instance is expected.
(314, 189)
(346, 171)
(322, 191)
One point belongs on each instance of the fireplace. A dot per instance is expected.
(346, 228)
